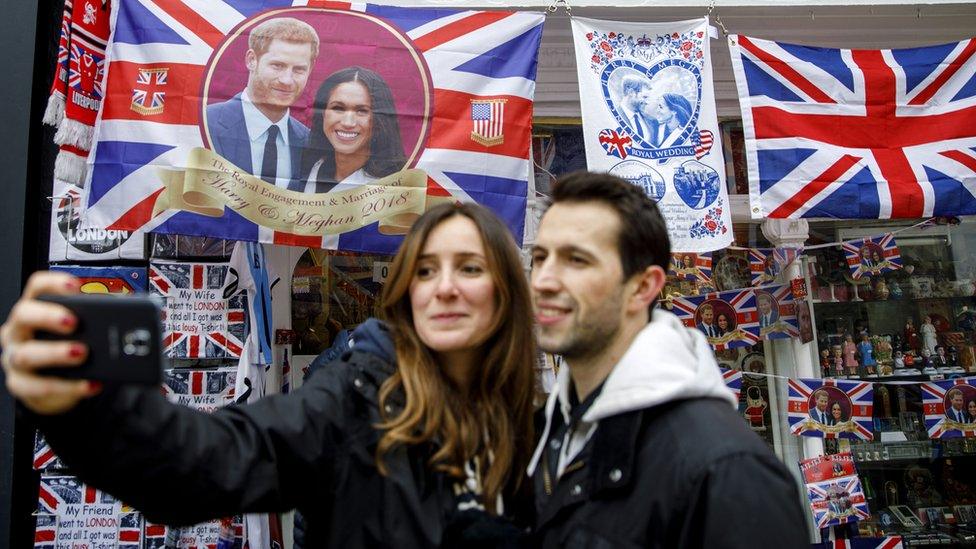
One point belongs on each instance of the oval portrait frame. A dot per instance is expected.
(412, 153)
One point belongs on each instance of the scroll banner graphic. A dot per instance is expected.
(210, 184)
(649, 117)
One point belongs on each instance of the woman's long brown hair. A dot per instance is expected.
(492, 420)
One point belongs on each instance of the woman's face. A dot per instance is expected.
(452, 294)
(723, 322)
(971, 407)
(348, 118)
(662, 112)
(835, 411)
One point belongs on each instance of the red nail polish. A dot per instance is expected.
(72, 285)
(76, 351)
(94, 387)
(67, 321)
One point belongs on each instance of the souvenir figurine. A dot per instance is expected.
(939, 359)
(911, 336)
(899, 360)
(838, 360)
(881, 290)
(953, 356)
(909, 359)
(895, 289)
(927, 330)
(755, 406)
(825, 362)
(925, 361)
(850, 363)
(882, 349)
(867, 354)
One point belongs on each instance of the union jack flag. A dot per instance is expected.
(178, 283)
(55, 491)
(728, 319)
(872, 256)
(44, 457)
(837, 501)
(130, 530)
(781, 322)
(856, 401)
(153, 535)
(616, 142)
(461, 56)
(857, 133)
(889, 542)
(766, 264)
(200, 389)
(46, 531)
(942, 419)
(733, 380)
(150, 97)
(691, 266)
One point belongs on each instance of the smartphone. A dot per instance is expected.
(123, 334)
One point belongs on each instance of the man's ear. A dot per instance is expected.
(647, 286)
(250, 60)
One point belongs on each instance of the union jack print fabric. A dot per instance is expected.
(765, 264)
(462, 84)
(777, 312)
(858, 133)
(889, 542)
(829, 408)
(733, 380)
(691, 266)
(946, 408)
(872, 256)
(837, 501)
(200, 389)
(199, 321)
(728, 319)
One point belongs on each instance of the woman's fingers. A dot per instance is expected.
(48, 395)
(36, 354)
(50, 282)
(29, 316)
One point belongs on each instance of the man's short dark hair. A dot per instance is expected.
(643, 239)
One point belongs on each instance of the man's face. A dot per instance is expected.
(577, 279)
(821, 402)
(765, 306)
(957, 401)
(707, 316)
(279, 75)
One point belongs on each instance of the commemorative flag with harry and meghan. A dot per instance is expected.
(828, 408)
(946, 405)
(849, 134)
(437, 108)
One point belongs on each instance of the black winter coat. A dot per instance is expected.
(312, 449)
(684, 474)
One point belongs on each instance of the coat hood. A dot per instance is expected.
(667, 361)
(374, 337)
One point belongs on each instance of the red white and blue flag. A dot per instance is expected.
(766, 264)
(199, 322)
(162, 54)
(691, 266)
(888, 542)
(853, 420)
(858, 133)
(728, 319)
(872, 256)
(733, 380)
(44, 457)
(945, 405)
(780, 322)
(200, 389)
(837, 501)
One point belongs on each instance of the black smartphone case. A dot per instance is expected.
(123, 335)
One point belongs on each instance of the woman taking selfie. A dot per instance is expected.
(418, 437)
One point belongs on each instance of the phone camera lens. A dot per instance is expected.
(137, 343)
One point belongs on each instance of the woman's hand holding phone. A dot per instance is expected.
(25, 357)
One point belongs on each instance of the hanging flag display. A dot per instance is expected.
(872, 256)
(691, 266)
(766, 264)
(834, 490)
(649, 117)
(728, 319)
(199, 320)
(107, 280)
(777, 312)
(733, 380)
(830, 408)
(192, 141)
(950, 408)
(857, 133)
